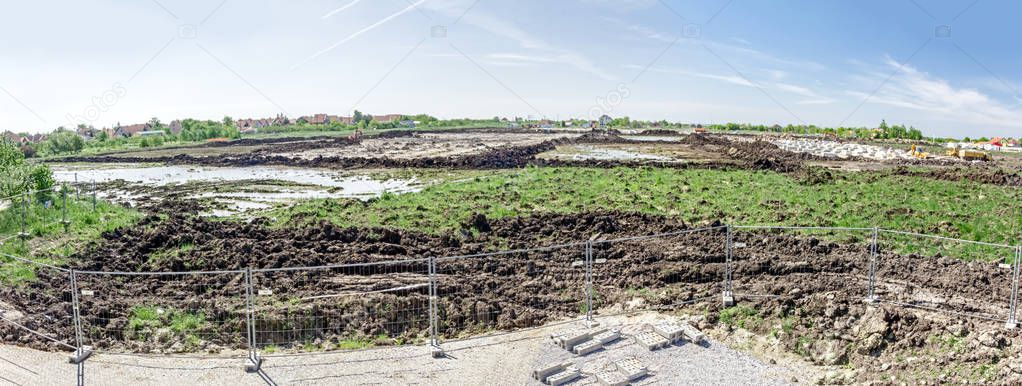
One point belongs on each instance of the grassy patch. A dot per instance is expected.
(741, 316)
(981, 212)
(147, 321)
(48, 241)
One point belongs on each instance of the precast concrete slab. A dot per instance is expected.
(542, 373)
(669, 330)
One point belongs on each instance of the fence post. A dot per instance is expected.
(78, 189)
(1013, 307)
(727, 296)
(589, 281)
(873, 252)
(253, 355)
(434, 319)
(93, 196)
(82, 352)
(63, 211)
(24, 217)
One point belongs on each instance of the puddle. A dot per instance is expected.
(315, 183)
(653, 138)
(584, 152)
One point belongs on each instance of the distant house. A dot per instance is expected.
(151, 133)
(10, 136)
(318, 119)
(407, 123)
(605, 120)
(130, 130)
(87, 132)
(386, 118)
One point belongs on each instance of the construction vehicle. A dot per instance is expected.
(356, 137)
(917, 152)
(968, 154)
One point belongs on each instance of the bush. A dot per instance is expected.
(64, 142)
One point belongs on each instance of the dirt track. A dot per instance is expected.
(820, 283)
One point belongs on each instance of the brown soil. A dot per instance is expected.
(814, 285)
(986, 175)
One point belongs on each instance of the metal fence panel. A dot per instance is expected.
(778, 262)
(480, 294)
(946, 275)
(164, 312)
(341, 307)
(658, 271)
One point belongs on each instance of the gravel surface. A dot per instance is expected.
(505, 359)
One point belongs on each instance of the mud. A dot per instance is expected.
(814, 285)
(985, 175)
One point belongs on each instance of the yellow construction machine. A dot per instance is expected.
(917, 151)
(968, 154)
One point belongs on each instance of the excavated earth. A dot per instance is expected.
(811, 286)
(736, 152)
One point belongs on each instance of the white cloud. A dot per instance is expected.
(733, 79)
(534, 46)
(911, 88)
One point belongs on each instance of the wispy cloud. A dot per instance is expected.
(732, 79)
(359, 32)
(914, 89)
(536, 49)
(341, 9)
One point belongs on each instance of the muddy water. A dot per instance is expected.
(307, 183)
(587, 152)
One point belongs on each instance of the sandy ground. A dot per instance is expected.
(506, 359)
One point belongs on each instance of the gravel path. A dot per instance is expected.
(506, 359)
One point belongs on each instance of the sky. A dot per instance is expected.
(949, 68)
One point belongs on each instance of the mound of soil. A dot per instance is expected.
(813, 286)
(985, 175)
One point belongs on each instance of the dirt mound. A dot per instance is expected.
(814, 287)
(986, 175)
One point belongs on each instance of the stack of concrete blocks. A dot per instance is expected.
(650, 340)
(597, 342)
(625, 370)
(557, 374)
(666, 333)
(584, 341)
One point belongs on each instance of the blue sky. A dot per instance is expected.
(825, 62)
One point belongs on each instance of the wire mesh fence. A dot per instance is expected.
(483, 293)
(341, 307)
(291, 311)
(778, 262)
(947, 275)
(182, 312)
(658, 271)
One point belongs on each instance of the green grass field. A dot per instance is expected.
(48, 241)
(955, 209)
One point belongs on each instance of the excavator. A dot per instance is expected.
(968, 154)
(917, 152)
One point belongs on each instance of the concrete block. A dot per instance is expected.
(80, 355)
(631, 368)
(542, 373)
(573, 338)
(651, 340)
(569, 374)
(668, 330)
(608, 336)
(587, 347)
(693, 334)
(611, 378)
(728, 298)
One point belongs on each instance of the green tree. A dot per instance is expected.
(63, 141)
